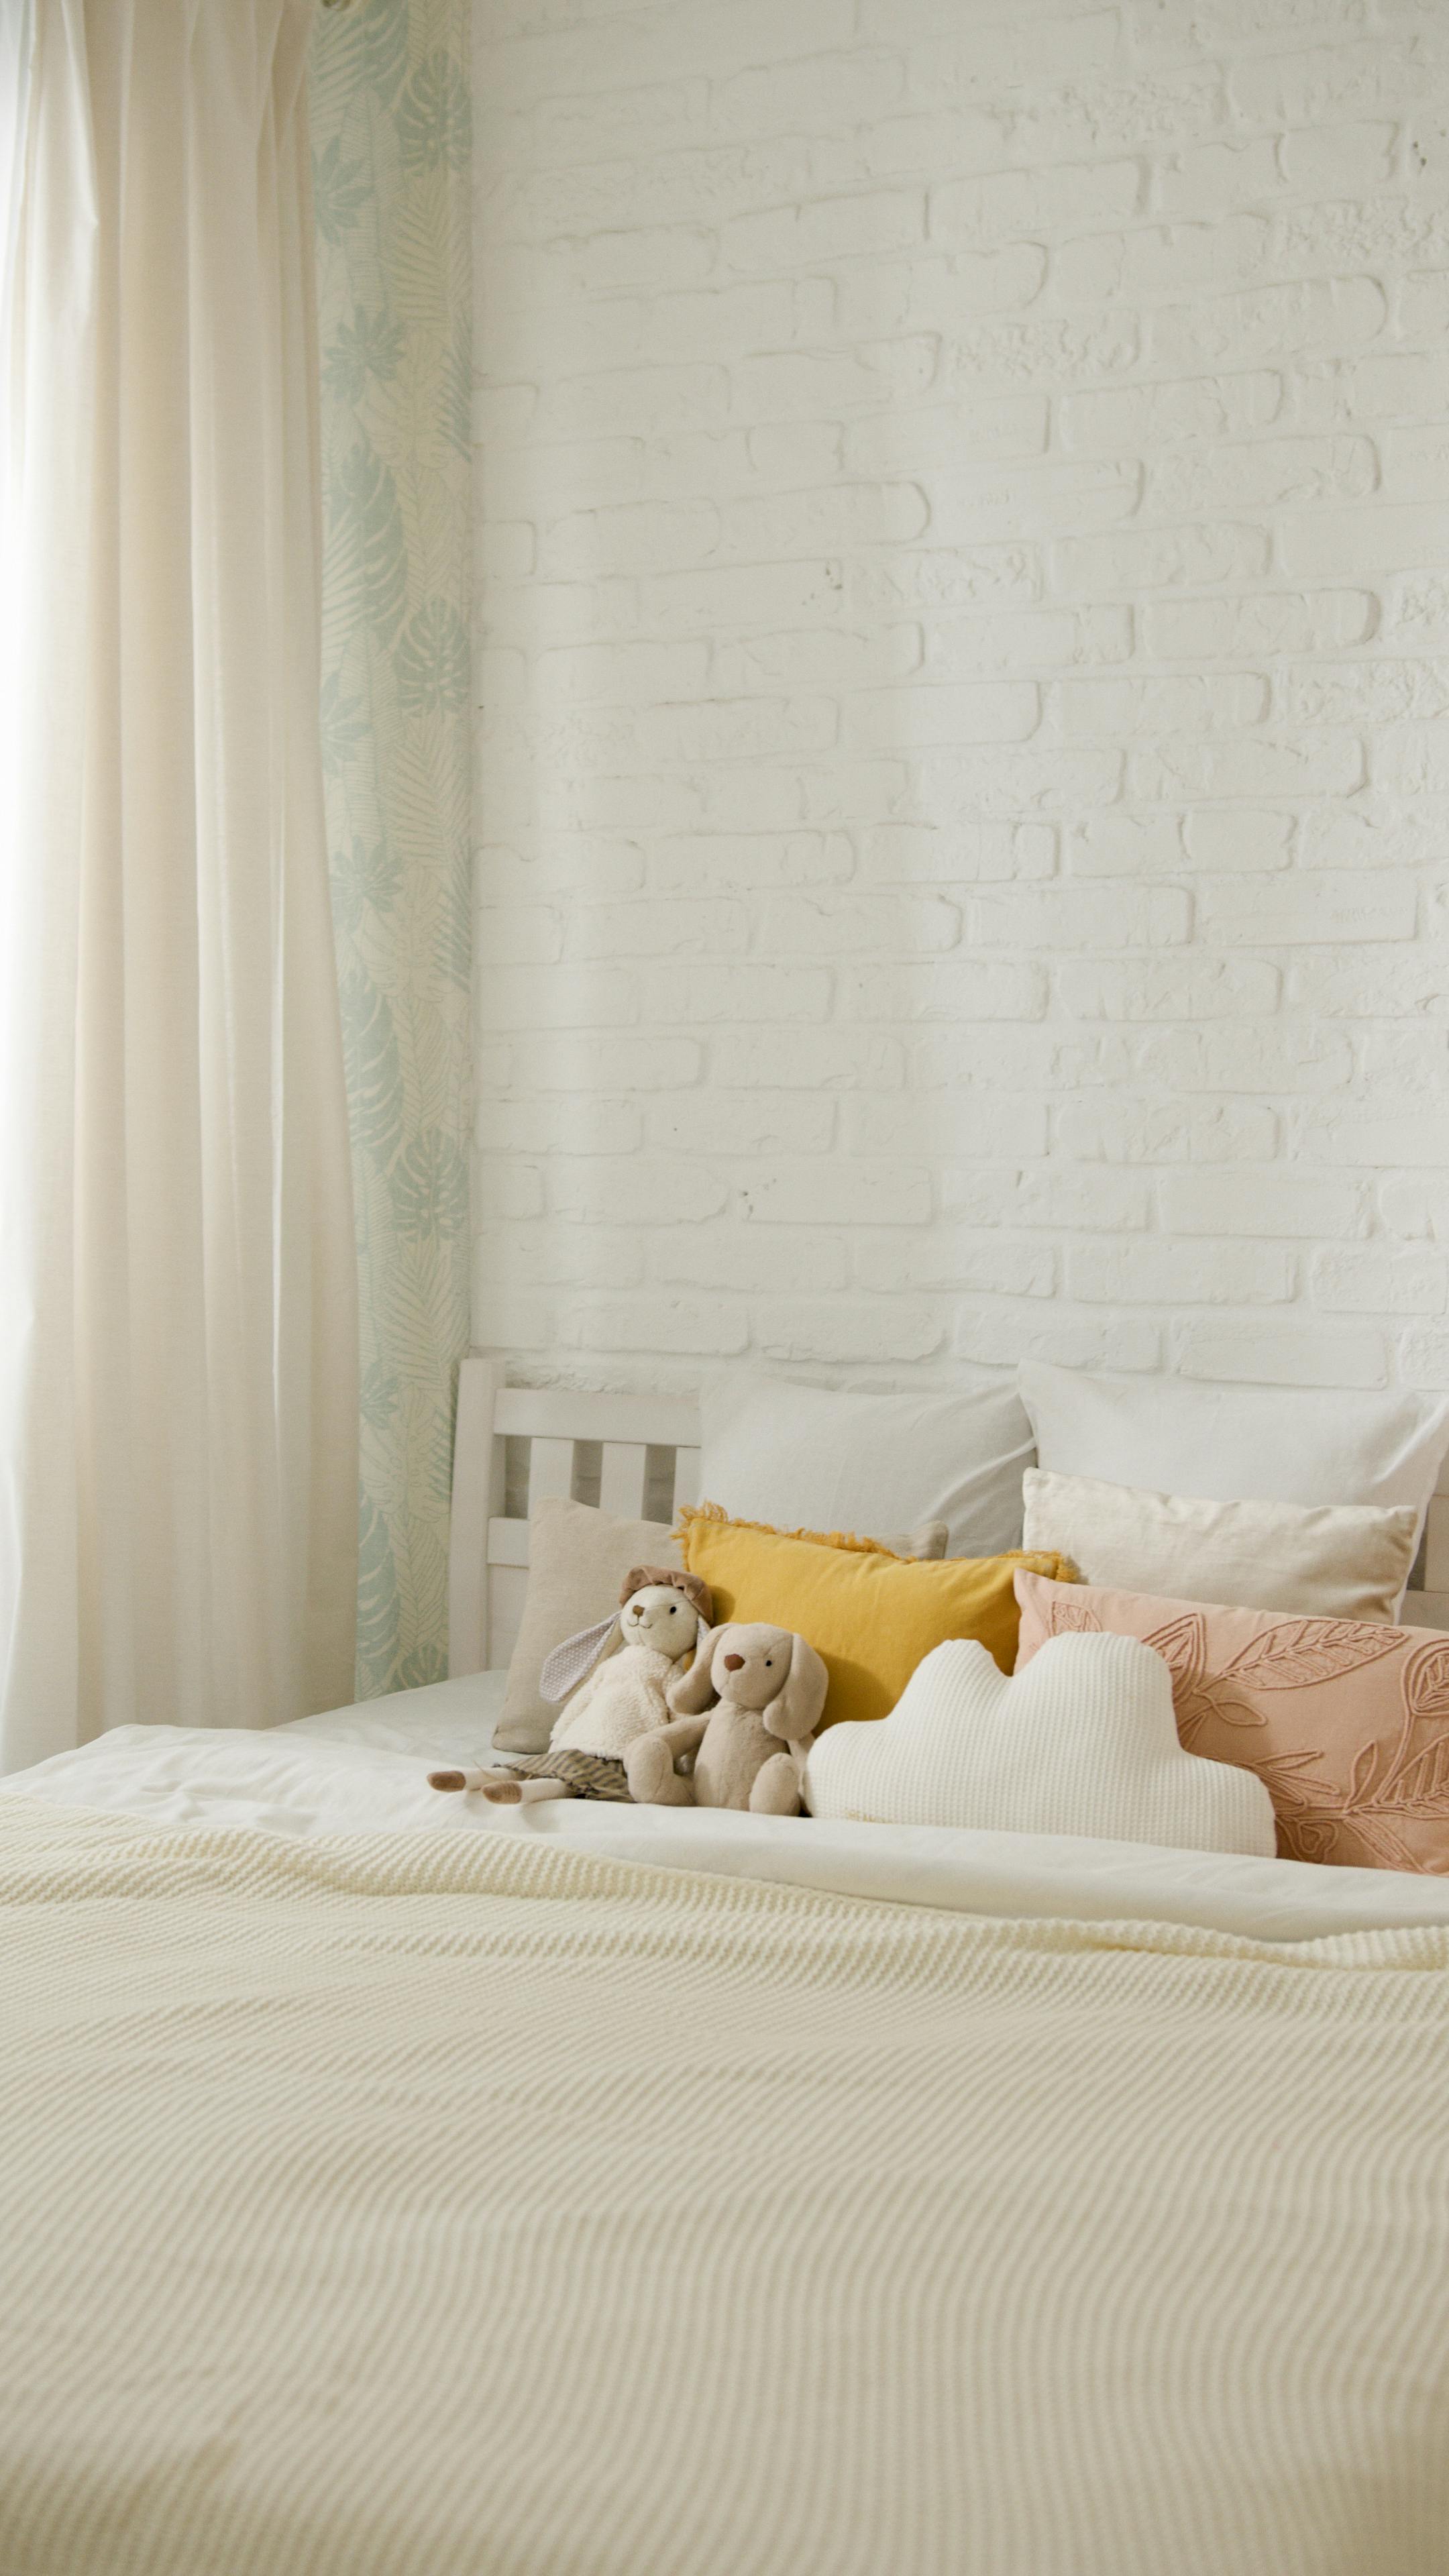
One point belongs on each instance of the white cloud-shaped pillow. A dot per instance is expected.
(1082, 1741)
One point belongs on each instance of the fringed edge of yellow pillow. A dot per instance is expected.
(845, 1540)
(1057, 1569)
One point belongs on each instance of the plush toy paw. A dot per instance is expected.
(776, 1789)
(648, 1768)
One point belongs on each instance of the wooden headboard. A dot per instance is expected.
(637, 1455)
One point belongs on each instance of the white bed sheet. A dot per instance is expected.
(363, 1770)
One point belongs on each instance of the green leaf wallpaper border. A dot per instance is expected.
(392, 146)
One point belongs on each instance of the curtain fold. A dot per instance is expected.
(178, 1335)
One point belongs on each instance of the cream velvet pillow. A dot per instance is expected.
(1081, 1742)
(1332, 1561)
(577, 1559)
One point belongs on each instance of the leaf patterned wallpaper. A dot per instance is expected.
(392, 139)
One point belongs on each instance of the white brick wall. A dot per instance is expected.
(963, 754)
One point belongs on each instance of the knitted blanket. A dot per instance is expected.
(438, 2204)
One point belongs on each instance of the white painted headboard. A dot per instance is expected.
(637, 1455)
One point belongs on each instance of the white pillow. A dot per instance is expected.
(1087, 1746)
(1327, 1560)
(1264, 1444)
(803, 1457)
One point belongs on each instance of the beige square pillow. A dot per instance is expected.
(577, 1559)
(1328, 1560)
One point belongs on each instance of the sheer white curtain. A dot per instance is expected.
(177, 1288)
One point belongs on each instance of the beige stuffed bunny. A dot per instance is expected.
(768, 1688)
(661, 1614)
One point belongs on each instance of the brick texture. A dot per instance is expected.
(963, 742)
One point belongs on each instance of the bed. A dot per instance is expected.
(399, 2190)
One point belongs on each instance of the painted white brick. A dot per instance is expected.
(713, 1326)
(1034, 640)
(1261, 473)
(1274, 1353)
(854, 925)
(1127, 845)
(558, 1256)
(711, 1121)
(852, 1328)
(815, 522)
(894, 719)
(1312, 908)
(1149, 417)
(1373, 1279)
(1185, 986)
(1122, 1127)
(1309, 320)
(1003, 1335)
(1361, 543)
(559, 1125)
(1009, 205)
(807, 1059)
(688, 931)
(982, 1125)
(1307, 764)
(1074, 917)
(1051, 1197)
(990, 1264)
(559, 997)
(1152, 1271)
(920, 450)
(794, 1261)
(635, 1189)
(832, 228)
(970, 854)
(718, 859)
(965, 577)
(1217, 178)
(742, 989)
(1388, 1134)
(1148, 559)
(1277, 1202)
(1278, 1055)
(1424, 1359)
(598, 1060)
(1416, 1208)
(1122, 707)
(830, 658)
(1267, 622)
(826, 1191)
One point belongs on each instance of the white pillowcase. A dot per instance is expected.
(1234, 1443)
(804, 1457)
(1327, 1560)
(1082, 1741)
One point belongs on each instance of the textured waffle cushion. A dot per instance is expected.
(1083, 1741)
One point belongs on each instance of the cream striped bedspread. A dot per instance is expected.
(412, 2205)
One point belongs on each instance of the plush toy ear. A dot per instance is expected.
(692, 1694)
(566, 1667)
(795, 1711)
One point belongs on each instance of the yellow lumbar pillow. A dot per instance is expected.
(871, 1616)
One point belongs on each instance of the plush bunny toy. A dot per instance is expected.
(768, 1688)
(661, 1613)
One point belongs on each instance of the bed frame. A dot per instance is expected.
(637, 1455)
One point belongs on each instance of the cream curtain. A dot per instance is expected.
(178, 1398)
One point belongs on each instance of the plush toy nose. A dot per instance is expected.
(734, 1663)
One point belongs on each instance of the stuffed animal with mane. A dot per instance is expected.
(622, 1695)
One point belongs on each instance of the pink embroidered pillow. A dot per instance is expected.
(1345, 1721)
